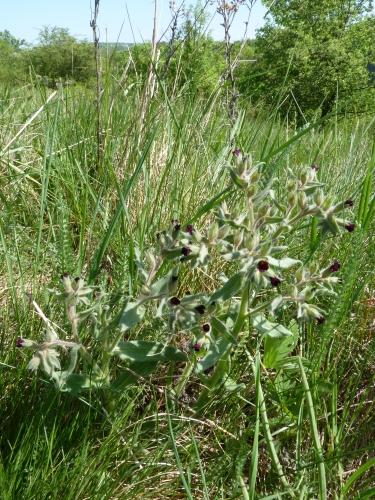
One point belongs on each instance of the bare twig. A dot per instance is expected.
(228, 13)
(96, 36)
(42, 315)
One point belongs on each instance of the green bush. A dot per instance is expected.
(60, 55)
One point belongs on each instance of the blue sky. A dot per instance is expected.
(23, 18)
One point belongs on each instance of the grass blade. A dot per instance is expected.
(315, 434)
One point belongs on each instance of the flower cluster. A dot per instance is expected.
(251, 237)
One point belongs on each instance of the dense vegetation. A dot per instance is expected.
(256, 396)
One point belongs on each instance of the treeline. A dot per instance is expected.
(308, 59)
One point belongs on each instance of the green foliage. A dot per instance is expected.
(314, 56)
(60, 55)
(10, 57)
(16, 43)
(197, 62)
(256, 437)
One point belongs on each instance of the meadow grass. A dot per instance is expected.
(307, 433)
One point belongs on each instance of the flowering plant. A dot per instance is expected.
(253, 239)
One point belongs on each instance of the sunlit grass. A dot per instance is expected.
(61, 211)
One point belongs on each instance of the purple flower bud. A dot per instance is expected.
(190, 229)
(275, 281)
(350, 227)
(320, 320)
(200, 309)
(335, 267)
(206, 328)
(236, 152)
(197, 347)
(19, 342)
(314, 168)
(176, 224)
(263, 266)
(65, 276)
(350, 203)
(175, 301)
(185, 251)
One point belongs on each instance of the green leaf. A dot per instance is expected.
(229, 289)
(273, 220)
(132, 314)
(76, 383)
(145, 350)
(126, 379)
(240, 254)
(161, 286)
(356, 475)
(276, 349)
(277, 301)
(232, 386)
(221, 328)
(171, 253)
(266, 328)
(213, 355)
(191, 298)
(238, 181)
(286, 263)
(257, 199)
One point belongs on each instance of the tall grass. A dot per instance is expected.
(306, 432)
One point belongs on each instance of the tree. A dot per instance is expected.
(16, 43)
(60, 55)
(317, 54)
(10, 57)
(194, 60)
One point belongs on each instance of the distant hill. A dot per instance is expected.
(117, 46)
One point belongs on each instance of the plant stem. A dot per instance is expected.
(185, 375)
(98, 79)
(221, 365)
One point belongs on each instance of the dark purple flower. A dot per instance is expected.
(174, 279)
(335, 267)
(350, 227)
(236, 152)
(176, 224)
(175, 301)
(206, 328)
(185, 251)
(350, 203)
(190, 229)
(200, 309)
(314, 168)
(263, 266)
(65, 276)
(197, 347)
(19, 342)
(275, 281)
(320, 320)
